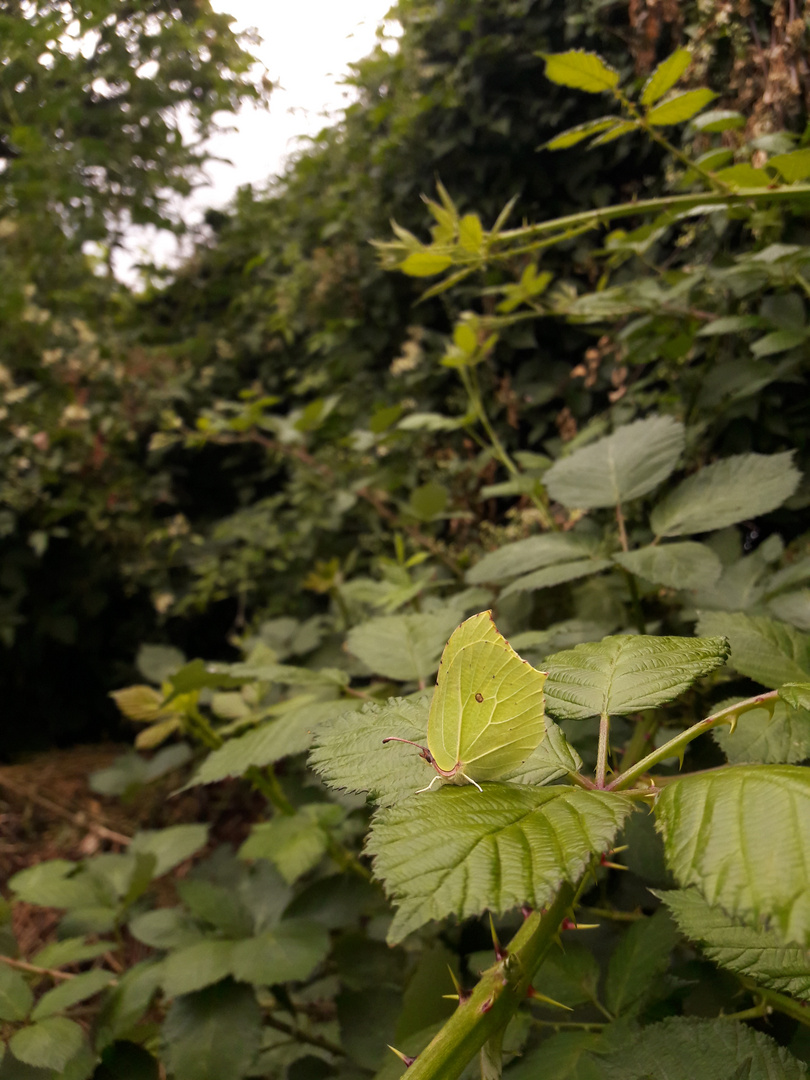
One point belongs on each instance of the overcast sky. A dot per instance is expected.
(307, 48)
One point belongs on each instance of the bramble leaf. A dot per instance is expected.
(577, 134)
(730, 490)
(638, 962)
(16, 998)
(741, 836)
(458, 851)
(681, 107)
(524, 556)
(170, 846)
(214, 1034)
(747, 950)
(684, 565)
(50, 1044)
(681, 1047)
(403, 647)
(797, 695)
(774, 734)
(293, 843)
(425, 263)
(557, 574)
(665, 76)
(624, 673)
(580, 70)
(622, 466)
(768, 651)
(71, 992)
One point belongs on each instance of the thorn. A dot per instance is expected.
(500, 952)
(526, 911)
(732, 724)
(572, 924)
(461, 995)
(487, 1005)
(451, 997)
(537, 996)
(603, 861)
(408, 1061)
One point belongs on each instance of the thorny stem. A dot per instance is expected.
(496, 998)
(622, 529)
(772, 1000)
(303, 1037)
(643, 731)
(677, 745)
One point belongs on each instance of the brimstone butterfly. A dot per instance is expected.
(487, 712)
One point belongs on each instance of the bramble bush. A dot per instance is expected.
(645, 866)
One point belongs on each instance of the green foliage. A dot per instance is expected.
(595, 502)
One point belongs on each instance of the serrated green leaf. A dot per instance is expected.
(403, 647)
(428, 500)
(158, 663)
(773, 734)
(746, 950)
(682, 1048)
(214, 1034)
(794, 166)
(570, 976)
(16, 998)
(680, 107)
(730, 324)
(768, 651)
(425, 264)
(778, 341)
(577, 134)
(730, 490)
(128, 1001)
(458, 851)
(622, 466)
(71, 992)
(55, 883)
(741, 836)
(70, 951)
(719, 120)
(557, 574)
(523, 556)
(580, 70)
(797, 695)
(293, 843)
(50, 1044)
(471, 233)
(743, 175)
(290, 951)
(216, 903)
(625, 673)
(170, 846)
(616, 132)
(665, 76)
(165, 928)
(144, 704)
(196, 966)
(638, 962)
(685, 565)
(269, 742)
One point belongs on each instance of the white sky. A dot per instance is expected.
(307, 46)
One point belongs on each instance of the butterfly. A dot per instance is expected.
(487, 714)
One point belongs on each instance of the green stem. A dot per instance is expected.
(772, 1000)
(677, 745)
(642, 733)
(496, 998)
(571, 1025)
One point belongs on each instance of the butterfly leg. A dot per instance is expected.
(470, 780)
(430, 785)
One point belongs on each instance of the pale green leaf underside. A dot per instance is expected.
(768, 651)
(622, 466)
(524, 556)
(270, 742)
(682, 1048)
(742, 837)
(684, 565)
(797, 695)
(486, 716)
(349, 752)
(774, 734)
(458, 851)
(624, 673)
(747, 950)
(730, 490)
(402, 647)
